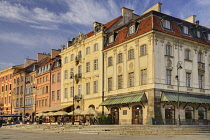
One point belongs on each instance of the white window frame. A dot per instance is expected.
(95, 86)
(198, 34)
(111, 38)
(88, 67)
(95, 64)
(132, 29)
(185, 30)
(188, 79)
(143, 50)
(168, 76)
(87, 50)
(167, 24)
(131, 54)
(66, 93)
(95, 46)
(131, 79)
(88, 88)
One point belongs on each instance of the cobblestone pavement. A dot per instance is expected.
(23, 134)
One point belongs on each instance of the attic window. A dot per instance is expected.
(132, 29)
(185, 30)
(111, 39)
(208, 37)
(198, 34)
(166, 24)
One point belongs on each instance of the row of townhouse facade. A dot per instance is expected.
(152, 68)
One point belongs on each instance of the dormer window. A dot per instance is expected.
(111, 39)
(166, 24)
(132, 29)
(185, 30)
(208, 37)
(198, 34)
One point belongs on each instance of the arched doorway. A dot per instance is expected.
(189, 113)
(115, 115)
(137, 114)
(169, 114)
(201, 113)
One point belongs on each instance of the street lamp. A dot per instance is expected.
(179, 66)
(72, 77)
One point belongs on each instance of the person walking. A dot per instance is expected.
(1, 121)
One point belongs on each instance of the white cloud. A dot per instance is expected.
(54, 27)
(202, 2)
(31, 40)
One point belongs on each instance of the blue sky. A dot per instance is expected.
(28, 27)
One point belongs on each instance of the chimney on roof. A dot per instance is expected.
(29, 62)
(54, 53)
(191, 19)
(197, 22)
(156, 7)
(127, 14)
(41, 56)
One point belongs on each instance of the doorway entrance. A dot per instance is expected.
(169, 114)
(137, 115)
(115, 115)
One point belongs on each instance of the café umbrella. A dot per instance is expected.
(90, 111)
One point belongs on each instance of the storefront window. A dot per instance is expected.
(137, 115)
(169, 114)
(115, 115)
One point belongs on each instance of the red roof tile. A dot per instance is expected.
(144, 26)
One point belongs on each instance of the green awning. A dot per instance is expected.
(187, 98)
(125, 99)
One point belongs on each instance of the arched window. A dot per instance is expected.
(189, 112)
(201, 113)
(119, 58)
(78, 107)
(91, 106)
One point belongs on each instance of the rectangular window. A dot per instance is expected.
(144, 76)
(46, 77)
(110, 61)
(87, 88)
(72, 91)
(66, 93)
(168, 77)
(131, 54)
(95, 86)
(59, 77)
(188, 75)
(168, 50)
(187, 54)
(79, 89)
(66, 74)
(185, 30)
(88, 67)
(199, 57)
(110, 84)
(46, 89)
(95, 64)
(120, 82)
(96, 47)
(45, 102)
(80, 69)
(200, 81)
(119, 58)
(111, 39)
(53, 95)
(72, 57)
(58, 94)
(131, 79)
(87, 50)
(166, 24)
(143, 50)
(53, 78)
(132, 29)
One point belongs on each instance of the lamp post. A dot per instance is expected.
(179, 66)
(72, 77)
